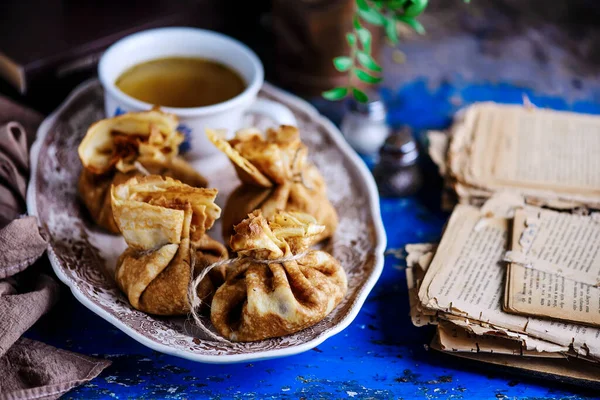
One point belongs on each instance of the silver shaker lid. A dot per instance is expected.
(374, 109)
(399, 148)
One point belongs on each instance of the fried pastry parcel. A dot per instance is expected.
(164, 223)
(275, 175)
(116, 149)
(277, 286)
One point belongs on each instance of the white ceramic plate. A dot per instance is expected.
(83, 256)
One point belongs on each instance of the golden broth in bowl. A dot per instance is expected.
(181, 82)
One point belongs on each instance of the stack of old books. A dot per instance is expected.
(515, 280)
(549, 157)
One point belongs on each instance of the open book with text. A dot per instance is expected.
(461, 285)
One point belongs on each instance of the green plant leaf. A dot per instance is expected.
(365, 39)
(395, 4)
(356, 23)
(362, 5)
(413, 23)
(351, 38)
(367, 61)
(342, 63)
(359, 95)
(365, 77)
(415, 8)
(372, 16)
(391, 31)
(337, 93)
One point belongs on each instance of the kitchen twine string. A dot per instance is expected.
(196, 301)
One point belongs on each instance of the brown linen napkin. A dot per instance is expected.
(13, 171)
(63, 370)
(28, 369)
(20, 245)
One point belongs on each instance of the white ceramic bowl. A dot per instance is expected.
(190, 42)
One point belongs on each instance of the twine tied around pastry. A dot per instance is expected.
(196, 301)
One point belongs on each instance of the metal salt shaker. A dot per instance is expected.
(364, 124)
(397, 174)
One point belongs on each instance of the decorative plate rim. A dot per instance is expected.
(340, 142)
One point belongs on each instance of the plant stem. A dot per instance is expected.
(353, 57)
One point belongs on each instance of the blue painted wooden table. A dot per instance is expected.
(379, 356)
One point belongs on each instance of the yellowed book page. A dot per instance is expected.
(502, 204)
(476, 196)
(455, 338)
(507, 289)
(466, 274)
(485, 148)
(461, 134)
(585, 339)
(548, 149)
(555, 266)
(540, 153)
(479, 328)
(561, 243)
(541, 294)
(417, 262)
(574, 371)
(438, 149)
(466, 278)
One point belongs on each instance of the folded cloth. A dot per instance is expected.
(20, 245)
(14, 171)
(28, 369)
(62, 370)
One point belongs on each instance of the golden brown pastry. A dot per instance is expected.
(263, 297)
(116, 149)
(164, 223)
(275, 175)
